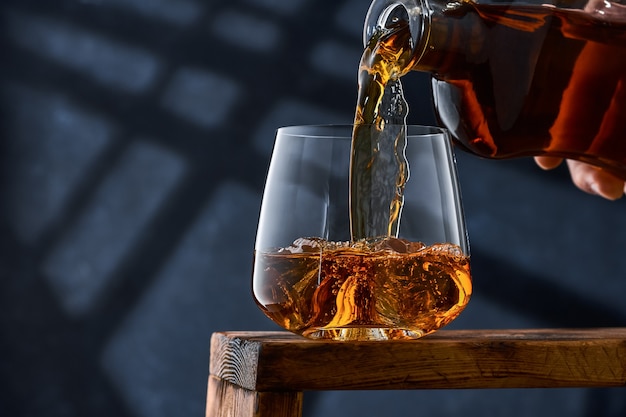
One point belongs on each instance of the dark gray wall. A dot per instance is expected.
(135, 139)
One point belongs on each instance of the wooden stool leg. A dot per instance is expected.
(225, 399)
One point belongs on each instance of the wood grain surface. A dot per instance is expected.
(281, 361)
(225, 399)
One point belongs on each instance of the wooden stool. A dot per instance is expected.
(264, 374)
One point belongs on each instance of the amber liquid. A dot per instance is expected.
(378, 167)
(535, 80)
(388, 289)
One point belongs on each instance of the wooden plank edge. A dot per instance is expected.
(471, 359)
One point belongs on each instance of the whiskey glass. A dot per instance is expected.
(312, 278)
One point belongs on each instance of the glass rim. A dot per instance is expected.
(345, 130)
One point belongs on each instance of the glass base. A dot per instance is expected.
(352, 334)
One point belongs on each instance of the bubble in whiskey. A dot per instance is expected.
(382, 288)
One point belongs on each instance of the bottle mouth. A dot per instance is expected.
(385, 13)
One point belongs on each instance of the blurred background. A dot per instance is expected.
(136, 136)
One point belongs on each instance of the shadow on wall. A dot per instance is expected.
(136, 137)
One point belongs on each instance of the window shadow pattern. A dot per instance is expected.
(135, 139)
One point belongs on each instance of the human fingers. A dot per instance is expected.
(596, 181)
(548, 162)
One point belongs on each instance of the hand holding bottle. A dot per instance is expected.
(512, 79)
(588, 178)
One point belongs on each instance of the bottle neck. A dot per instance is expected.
(440, 40)
(382, 13)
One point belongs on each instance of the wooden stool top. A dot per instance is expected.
(281, 361)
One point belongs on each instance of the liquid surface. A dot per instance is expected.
(382, 289)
